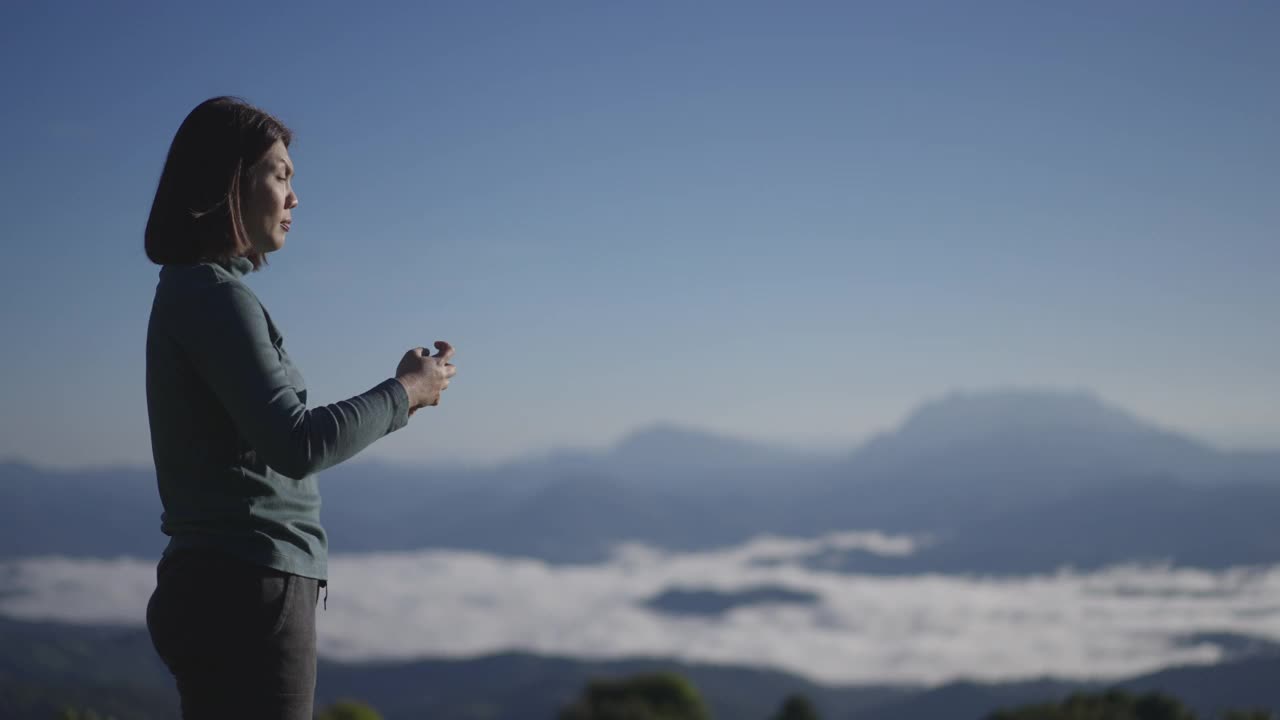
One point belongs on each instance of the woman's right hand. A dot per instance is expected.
(425, 376)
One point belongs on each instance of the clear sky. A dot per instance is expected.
(786, 221)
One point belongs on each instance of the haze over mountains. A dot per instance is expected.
(1002, 481)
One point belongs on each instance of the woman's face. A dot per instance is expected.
(269, 203)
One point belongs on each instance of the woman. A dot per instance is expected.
(235, 446)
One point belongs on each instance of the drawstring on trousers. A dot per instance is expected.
(326, 596)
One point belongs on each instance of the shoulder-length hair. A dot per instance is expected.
(195, 216)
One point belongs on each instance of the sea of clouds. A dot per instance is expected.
(928, 629)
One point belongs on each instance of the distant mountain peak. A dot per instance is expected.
(1034, 436)
(671, 444)
(997, 411)
(667, 434)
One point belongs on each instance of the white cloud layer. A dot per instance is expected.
(924, 628)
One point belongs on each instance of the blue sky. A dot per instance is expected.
(792, 222)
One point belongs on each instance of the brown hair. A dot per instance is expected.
(196, 212)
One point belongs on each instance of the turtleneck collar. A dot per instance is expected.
(238, 266)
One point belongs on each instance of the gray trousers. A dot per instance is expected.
(239, 639)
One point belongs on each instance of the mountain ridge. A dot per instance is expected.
(977, 469)
(966, 412)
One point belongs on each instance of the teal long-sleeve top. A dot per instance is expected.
(236, 448)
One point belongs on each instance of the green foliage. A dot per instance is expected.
(1110, 705)
(796, 707)
(648, 696)
(349, 710)
(70, 713)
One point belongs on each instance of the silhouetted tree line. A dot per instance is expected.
(659, 696)
(348, 710)
(668, 696)
(1117, 705)
(649, 696)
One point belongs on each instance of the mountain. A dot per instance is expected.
(670, 457)
(108, 511)
(1004, 481)
(974, 455)
(1156, 520)
(1024, 438)
(44, 667)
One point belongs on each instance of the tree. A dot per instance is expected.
(1110, 705)
(796, 707)
(70, 713)
(349, 710)
(649, 696)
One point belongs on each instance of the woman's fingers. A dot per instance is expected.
(445, 353)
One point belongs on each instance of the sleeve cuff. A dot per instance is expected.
(399, 404)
